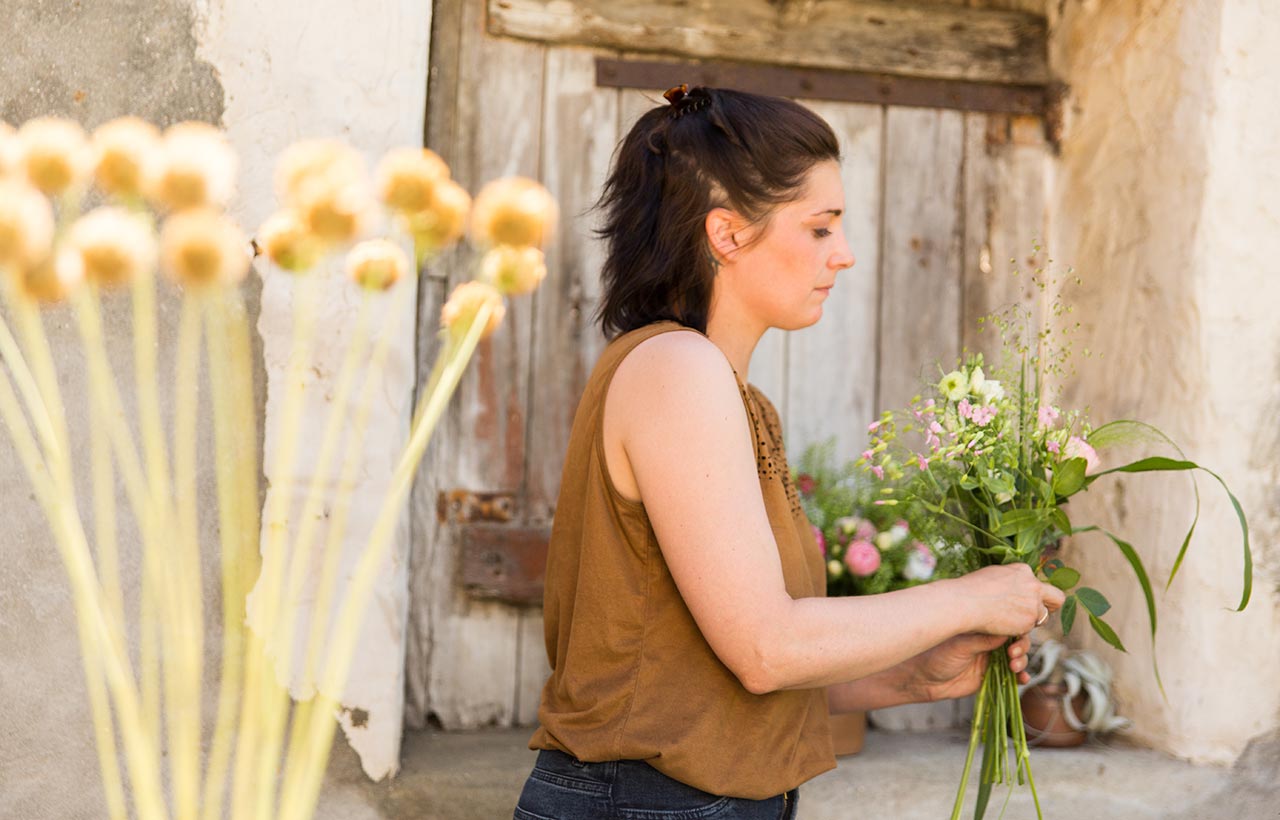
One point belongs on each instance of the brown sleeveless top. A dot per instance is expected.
(632, 676)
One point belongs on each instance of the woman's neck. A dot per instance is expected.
(736, 337)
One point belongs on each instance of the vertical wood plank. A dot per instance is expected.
(1006, 219)
(832, 366)
(424, 532)
(580, 130)
(922, 265)
(471, 647)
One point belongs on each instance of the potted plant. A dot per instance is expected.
(1068, 697)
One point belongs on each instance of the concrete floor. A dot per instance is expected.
(478, 776)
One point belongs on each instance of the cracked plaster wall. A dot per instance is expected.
(1167, 207)
(269, 74)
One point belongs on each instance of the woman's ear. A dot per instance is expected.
(723, 227)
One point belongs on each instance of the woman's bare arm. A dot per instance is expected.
(675, 407)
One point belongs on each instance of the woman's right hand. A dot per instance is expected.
(1007, 599)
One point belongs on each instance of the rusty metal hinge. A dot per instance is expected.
(466, 506)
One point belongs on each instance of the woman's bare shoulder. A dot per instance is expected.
(671, 388)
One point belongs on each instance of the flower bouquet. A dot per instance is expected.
(999, 461)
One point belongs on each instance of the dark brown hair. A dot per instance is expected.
(710, 148)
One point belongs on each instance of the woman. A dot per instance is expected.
(694, 655)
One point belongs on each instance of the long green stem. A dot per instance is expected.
(979, 715)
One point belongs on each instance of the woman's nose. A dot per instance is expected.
(843, 259)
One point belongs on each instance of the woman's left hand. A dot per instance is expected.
(954, 668)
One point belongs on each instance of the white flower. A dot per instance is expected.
(899, 532)
(115, 246)
(990, 391)
(920, 564)
(976, 379)
(885, 541)
(834, 568)
(954, 386)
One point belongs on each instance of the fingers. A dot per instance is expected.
(1052, 597)
(1018, 651)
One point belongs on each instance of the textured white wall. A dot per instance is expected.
(1166, 205)
(331, 68)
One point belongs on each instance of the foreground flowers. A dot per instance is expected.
(167, 194)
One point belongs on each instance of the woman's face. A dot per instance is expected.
(784, 270)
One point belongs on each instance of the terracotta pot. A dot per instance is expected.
(848, 731)
(1044, 718)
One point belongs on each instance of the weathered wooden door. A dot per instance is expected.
(939, 201)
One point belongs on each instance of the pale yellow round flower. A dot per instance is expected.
(444, 222)
(26, 224)
(54, 153)
(323, 163)
(201, 246)
(194, 167)
(513, 270)
(407, 178)
(121, 149)
(52, 278)
(114, 245)
(335, 213)
(464, 304)
(288, 244)
(377, 264)
(513, 211)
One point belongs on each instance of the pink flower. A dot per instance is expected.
(1052, 446)
(806, 483)
(934, 427)
(879, 471)
(867, 455)
(982, 416)
(921, 463)
(820, 538)
(966, 409)
(928, 403)
(873, 426)
(862, 558)
(1079, 448)
(1047, 415)
(866, 531)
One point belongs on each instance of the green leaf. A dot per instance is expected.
(1016, 521)
(1068, 614)
(1106, 632)
(1153, 464)
(1060, 520)
(1069, 477)
(1064, 578)
(1053, 565)
(1093, 600)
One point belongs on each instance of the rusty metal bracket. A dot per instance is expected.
(503, 563)
(465, 506)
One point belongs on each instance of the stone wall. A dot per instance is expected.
(1166, 206)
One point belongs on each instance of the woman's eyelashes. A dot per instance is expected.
(821, 233)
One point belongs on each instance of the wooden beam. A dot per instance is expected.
(910, 38)
(828, 84)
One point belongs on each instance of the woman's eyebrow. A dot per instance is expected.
(835, 211)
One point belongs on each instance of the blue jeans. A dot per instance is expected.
(561, 787)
